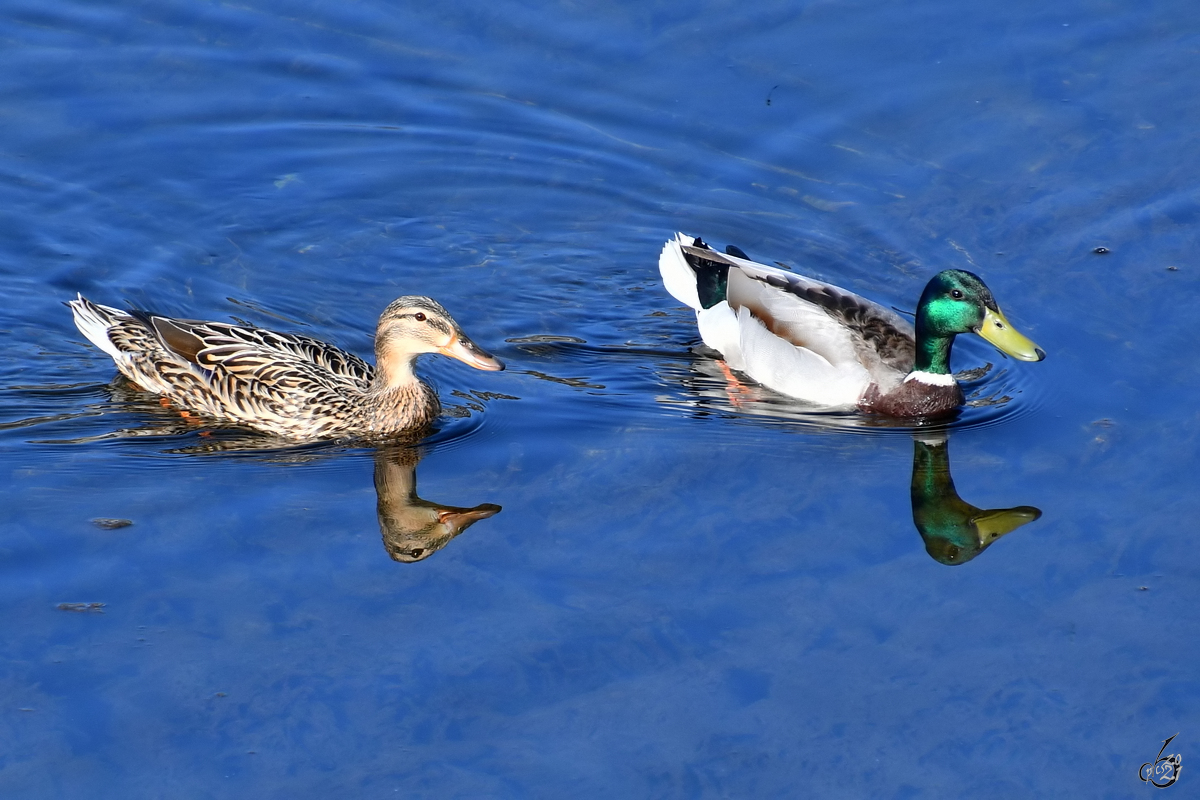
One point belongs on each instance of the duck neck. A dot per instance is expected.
(941, 517)
(399, 400)
(933, 350)
(932, 485)
(393, 372)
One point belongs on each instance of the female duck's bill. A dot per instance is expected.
(466, 351)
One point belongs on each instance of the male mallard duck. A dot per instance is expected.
(824, 345)
(282, 383)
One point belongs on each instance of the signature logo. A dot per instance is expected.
(1164, 770)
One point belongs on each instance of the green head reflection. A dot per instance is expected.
(954, 530)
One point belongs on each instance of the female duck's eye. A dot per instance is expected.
(419, 317)
(956, 294)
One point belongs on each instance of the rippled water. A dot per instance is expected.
(671, 586)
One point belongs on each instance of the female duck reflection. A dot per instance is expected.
(954, 530)
(414, 529)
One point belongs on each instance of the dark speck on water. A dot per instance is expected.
(111, 523)
(96, 607)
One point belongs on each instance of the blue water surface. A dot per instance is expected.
(689, 592)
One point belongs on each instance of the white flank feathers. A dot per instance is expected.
(720, 330)
(797, 371)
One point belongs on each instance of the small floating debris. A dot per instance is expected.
(111, 523)
(1101, 251)
(1172, 269)
(97, 607)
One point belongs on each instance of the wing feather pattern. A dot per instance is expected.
(800, 336)
(229, 371)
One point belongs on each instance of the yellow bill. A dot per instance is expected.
(999, 332)
(995, 522)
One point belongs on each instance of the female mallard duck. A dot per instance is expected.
(827, 346)
(282, 383)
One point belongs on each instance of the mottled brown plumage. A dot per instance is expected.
(281, 383)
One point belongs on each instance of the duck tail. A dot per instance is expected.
(677, 274)
(94, 321)
(699, 282)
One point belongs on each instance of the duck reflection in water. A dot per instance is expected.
(414, 529)
(954, 530)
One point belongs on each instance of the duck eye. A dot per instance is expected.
(419, 317)
(956, 294)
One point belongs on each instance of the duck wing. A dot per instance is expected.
(190, 337)
(824, 317)
(251, 375)
(256, 375)
(800, 336)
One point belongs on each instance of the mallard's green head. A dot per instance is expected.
(956, 301)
